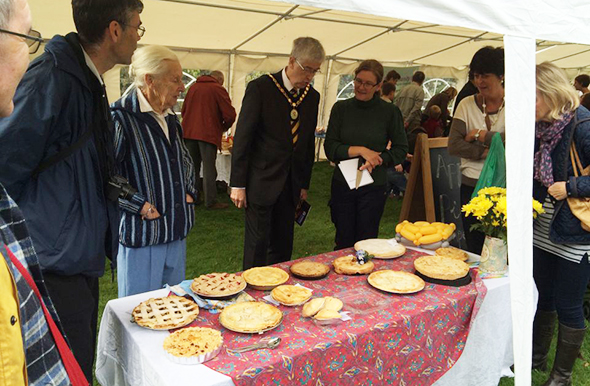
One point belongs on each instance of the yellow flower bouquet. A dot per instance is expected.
(489, 207)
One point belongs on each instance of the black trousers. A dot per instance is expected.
(269, 231)
(205, 152)
(474, 239)
(356, 213)
(76, 301)
(562, 285)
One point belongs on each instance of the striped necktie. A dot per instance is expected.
(295, 122)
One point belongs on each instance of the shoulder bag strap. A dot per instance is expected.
(77, 377)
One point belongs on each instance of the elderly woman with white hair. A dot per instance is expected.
(158, 211)
(560, 242)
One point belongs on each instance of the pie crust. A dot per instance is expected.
(381, 248)
(325, 314)
(193, 341)
(250, 317)
(309, 269)
(441, 267)
(348, 265)
(314, 306)
(399, 282)
(455, 253)
(218, 284)
(291, 295)
(165, 313)
(265, 278)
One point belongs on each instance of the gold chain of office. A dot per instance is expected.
(294, 105)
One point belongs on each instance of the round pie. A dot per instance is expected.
(381, 248)
(309, 269)
(250, 317)
(291, 295)
(218, 284)
(165, 313)
(441, 267)
(398, 282)
(348, 265)
(455, 253)
(265, 278)
(193, 341)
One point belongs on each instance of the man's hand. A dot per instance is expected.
(558, 190)
(303, 195)
(238, 196)
(149, 212)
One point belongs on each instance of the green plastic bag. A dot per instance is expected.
(494, 169)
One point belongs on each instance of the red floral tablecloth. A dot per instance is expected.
(391, 339)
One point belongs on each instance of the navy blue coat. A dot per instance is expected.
(565, 228)
(70, 221)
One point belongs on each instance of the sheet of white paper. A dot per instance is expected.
(349, 168)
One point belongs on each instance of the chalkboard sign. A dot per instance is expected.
(433, 189)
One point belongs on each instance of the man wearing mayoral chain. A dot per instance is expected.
(273, 153)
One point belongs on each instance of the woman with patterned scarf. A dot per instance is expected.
(560, 244)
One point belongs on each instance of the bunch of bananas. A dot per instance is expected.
(423, 232)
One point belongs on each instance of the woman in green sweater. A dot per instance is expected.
(362, 127)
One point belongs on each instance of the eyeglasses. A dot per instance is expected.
(308, 70)
(140, 29)
(33, 40)
(360, 83)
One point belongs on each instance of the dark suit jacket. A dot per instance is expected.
(263, 154)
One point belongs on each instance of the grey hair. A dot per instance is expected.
(149, 60)
(308, 49)
(6, 9)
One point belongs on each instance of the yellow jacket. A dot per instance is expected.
(12, 356)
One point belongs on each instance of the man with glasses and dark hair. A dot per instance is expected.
(273, 153)
(56, 152)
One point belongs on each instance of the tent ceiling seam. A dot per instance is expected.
(450, 47)
(390, 29)
(279, 18)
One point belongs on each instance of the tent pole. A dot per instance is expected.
(325, 93)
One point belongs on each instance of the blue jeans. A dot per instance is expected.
(149, 268)
(561, 284)
(396, 181)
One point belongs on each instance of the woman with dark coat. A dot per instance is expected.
(560, 245)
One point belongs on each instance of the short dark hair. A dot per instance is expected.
(418, 77)
(392, 75)
(92, 17)
(583, 79)
(373, 66)
(488, 60)
(387, 88)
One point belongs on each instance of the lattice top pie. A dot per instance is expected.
(441, 267)
(290, 295)
(193, 341)
(381, 248)
(250, 317)
(455, 253)
(265, 276)
(348, 265)
(309, 269)
(396, 281)
(218, 284)
(165, 313)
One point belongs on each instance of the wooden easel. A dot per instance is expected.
(418, 204)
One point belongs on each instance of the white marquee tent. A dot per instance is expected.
(241, 36)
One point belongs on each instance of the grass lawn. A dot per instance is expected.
(215, 244)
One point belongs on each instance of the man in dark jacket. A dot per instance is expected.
(206, 113)
(273, 153)
(56, 152)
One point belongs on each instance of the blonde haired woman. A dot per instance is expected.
(561, 268)
(151, 154)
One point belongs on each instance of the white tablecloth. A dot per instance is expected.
(131, 355)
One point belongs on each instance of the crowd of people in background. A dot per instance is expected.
(83, 180)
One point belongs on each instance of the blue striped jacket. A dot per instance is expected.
(162, 171)
(44, 364)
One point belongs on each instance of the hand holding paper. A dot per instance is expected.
(349, 170)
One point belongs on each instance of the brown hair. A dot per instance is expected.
(373, 66)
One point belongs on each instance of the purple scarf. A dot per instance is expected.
(548, 134)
